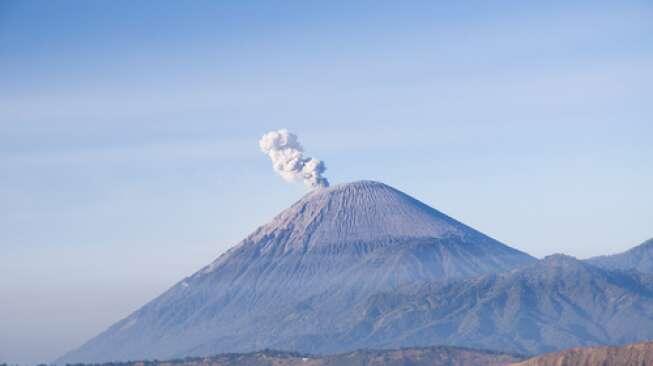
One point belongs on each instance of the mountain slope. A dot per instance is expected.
(639, 354)
(557, 303)
(639, 258)
(282, 285)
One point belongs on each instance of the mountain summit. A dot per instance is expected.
(282, 286)
(361, 211)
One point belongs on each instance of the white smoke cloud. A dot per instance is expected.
(288, 159)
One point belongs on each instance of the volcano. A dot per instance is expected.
(282, 286)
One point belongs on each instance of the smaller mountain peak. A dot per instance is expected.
(560, 259)
(558, 264)
(645, 245)
(639, 258)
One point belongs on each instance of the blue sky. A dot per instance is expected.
(128, 139)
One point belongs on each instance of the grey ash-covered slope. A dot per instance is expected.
(284, 285)
(556, 303)
(639, 258)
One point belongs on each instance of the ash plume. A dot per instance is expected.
(288, 159)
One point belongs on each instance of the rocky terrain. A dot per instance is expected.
(640, 354)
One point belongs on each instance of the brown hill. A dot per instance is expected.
(638, 354)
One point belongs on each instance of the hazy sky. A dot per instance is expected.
(128, 139)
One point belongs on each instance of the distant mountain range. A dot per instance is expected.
(363, 265)
(553, 304)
